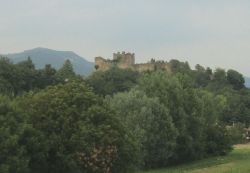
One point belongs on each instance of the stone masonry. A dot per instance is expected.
(127, 61)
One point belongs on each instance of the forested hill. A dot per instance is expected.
(119, 120)
(43, 56)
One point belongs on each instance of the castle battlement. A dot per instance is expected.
(127, 61)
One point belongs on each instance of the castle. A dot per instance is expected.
(127, 61)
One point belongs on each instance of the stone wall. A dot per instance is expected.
(127, 61)
(151, 67)
(102, 64)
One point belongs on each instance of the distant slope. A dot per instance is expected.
(42, 56)
(247, 82)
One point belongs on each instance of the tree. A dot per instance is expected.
(177, 66)
(218, 140)
(218, 81)
(202, 76)
(187, 111)
(28, 75)
(199, 68)
(236, 79)
(9, 83)
(238, 107)
(220, 76)
(112, 81)
(16, 79)
(12, 154)
(74, 131)
(151, 125)
(171, 94)
(67, 71)
(47, 76)
(209, 71)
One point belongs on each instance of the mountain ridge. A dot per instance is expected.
(42, 56)
(247, 82)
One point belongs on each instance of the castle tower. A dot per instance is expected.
(124, 60)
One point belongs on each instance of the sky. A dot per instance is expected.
(214, 33)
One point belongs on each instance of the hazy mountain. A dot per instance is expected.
(42, 56)
(247, 82)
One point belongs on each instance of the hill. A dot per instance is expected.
(42, 56)
(247, 82)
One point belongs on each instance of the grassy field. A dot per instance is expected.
(238, 161)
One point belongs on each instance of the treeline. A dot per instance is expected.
(116, 121)
(15, 79)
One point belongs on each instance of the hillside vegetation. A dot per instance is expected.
(118, 121)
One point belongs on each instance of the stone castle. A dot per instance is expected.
(127, 61)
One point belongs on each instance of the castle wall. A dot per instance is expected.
(127, 61)
(102, 64)
(152, 67)
(144, 67)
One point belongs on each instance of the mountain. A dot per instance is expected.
(42, 56)
(247, 82)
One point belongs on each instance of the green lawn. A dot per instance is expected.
(238, 161)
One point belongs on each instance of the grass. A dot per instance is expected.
(238, 161)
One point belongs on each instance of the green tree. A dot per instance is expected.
(187, 111)
(151, 125)
(171, 93)
(73, 131)
(112, 81)
(66, 72)
(202, 76)
(236, 79)
(238, 107)
(9, 83)
(179, 67)
(199, 68)
(13, 157)
(47, 76)
(27, 75)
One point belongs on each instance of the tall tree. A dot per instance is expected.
(66, 72)
(28, 75)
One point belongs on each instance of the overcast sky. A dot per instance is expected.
(213, 33)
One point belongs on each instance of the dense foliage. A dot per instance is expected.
(112, 81)
(149, 121)
(13, 156)
(117, 120)
(194, 113)
(69, 129)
